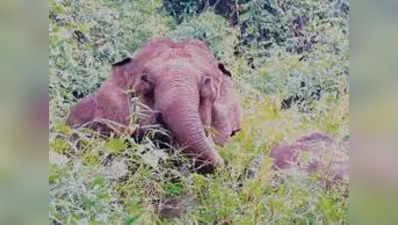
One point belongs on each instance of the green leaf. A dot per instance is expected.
(115, 145)
(130, 221)
(63, 128)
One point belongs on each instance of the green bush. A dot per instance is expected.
(210, 28)
(297, 49)
(295, 25)
(319, 73)
(80, 195)
(276, 50)
(185, 8)
(179, 9)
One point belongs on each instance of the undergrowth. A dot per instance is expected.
(115, 180)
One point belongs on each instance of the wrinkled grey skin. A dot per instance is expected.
(183, 83)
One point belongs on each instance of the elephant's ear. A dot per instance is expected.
(208, 88)
(122, 62)
(221, 67)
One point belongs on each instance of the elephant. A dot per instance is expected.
(315, 153)
(188, 90)
(108, 109)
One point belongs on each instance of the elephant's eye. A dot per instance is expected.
(145, 78)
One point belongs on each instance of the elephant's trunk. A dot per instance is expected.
(179, 106)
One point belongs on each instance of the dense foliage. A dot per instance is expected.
(289, 61)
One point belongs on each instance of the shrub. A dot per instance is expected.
(181, 9)
(210, 28)
(80, 195)
(295, 25)
(297, 50)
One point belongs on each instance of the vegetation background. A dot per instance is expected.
(282, 54)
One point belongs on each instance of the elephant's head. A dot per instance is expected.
(189, 88)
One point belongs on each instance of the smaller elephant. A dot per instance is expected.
(189, 91)
(108, 109)
(314, 153)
